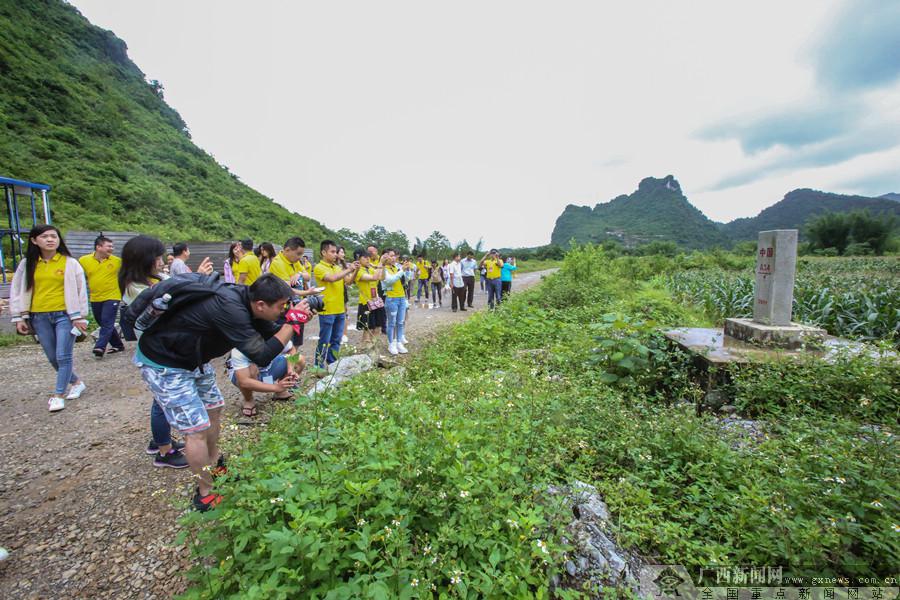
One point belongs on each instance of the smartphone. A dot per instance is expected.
(318, 290)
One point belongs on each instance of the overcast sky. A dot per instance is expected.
(485, 119)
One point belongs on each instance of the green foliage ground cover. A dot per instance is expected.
(852, 297)
(430, 482)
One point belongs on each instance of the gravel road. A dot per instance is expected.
(84, 513)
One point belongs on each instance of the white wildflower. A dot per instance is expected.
(463, 493)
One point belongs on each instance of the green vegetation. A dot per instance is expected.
(853, 233)
(78, 114)
(852, 297)
(799, 207)
(431, 482)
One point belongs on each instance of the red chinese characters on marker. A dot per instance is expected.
(770, 252)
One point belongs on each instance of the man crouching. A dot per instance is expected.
(277, 378)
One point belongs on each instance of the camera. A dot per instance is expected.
(316, 303)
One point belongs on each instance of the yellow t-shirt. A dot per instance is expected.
(494, 268)
(396, 290)
(424, 269)
(367, 289)
(284, 269)
(249, 264)
(334, 290)
(102, 277)
(49, 293)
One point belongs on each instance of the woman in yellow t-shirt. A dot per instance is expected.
(49, 297)
(368, 319)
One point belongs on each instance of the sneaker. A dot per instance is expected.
(4, 554)
(345, 339)
(76, 391)
(152, 448)
(392, 347)
(402, 349)
(221, 468)
(403, 340)
(464, 309)
(115, 350)
(56, 404)
(204, 503)
(98, 353)
(175, 459)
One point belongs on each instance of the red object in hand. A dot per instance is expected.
(296, 318)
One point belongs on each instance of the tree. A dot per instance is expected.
(831, 230)
(437, 244)
(873, 231)
(382, 238)
(859, 229)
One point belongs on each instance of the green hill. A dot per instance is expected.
(799, 206)
(656, 211)
(77, 113)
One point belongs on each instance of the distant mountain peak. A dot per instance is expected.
(656, 211)
(668, 182)
(891, 196)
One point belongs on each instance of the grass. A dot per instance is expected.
(434, 476)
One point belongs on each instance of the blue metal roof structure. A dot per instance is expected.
(28, 184)
(11, 236)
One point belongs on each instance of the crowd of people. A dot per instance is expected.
(252, 311)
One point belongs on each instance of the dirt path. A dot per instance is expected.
(82, 510)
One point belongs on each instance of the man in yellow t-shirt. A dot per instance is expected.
(493, 266)
(101, 270)
(248, 268)
(424, 269)
(288, 267)
(332, 277)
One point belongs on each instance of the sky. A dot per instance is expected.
(484, 119)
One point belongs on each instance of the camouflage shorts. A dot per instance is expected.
(185, 396)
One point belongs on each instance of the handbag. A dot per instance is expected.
(375, 302)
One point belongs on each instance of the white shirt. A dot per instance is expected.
(455, 269)
(178, 267)
(240, 361)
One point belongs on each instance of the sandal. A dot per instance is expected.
(249, 411)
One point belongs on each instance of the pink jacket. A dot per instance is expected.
(75, 293)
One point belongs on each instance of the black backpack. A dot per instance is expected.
(184, 289)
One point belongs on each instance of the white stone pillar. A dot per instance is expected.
(776, 266)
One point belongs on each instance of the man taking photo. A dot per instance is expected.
(174, 356)
(493, 266)
(468, 265)
(332, 277)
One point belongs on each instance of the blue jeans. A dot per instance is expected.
(54, 331)
(396, 318)
(331, 330)
(105, 312)
(423, 285)
(493, 289)
(159, 426)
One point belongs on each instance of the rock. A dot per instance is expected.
(596, 559)
(342, 370)
(728, 409)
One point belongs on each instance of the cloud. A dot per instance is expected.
(858, 54)
(873, 184)
(861, 48)
(874, 138)
(793, 127)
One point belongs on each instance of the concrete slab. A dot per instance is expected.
(792, 336)
(715, 348)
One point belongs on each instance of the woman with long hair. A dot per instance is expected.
(49, 298)
(142, 267)
(235, 252)
(266, 254)
(437, 284)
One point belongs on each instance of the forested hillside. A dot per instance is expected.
(77, 113)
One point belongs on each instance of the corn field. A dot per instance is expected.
(855, 298)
